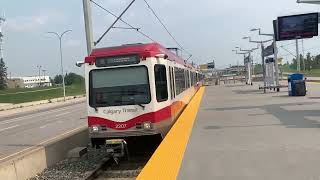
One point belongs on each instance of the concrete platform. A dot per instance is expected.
(240, 133)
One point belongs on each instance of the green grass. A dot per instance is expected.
(311, 73)
(16, 96)
(22, 90)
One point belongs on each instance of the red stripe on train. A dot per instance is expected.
(152, 117)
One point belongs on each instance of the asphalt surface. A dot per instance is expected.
(241, 133)
(24, 131)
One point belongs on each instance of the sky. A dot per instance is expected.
(208, 29)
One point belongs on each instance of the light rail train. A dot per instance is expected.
(136, 90)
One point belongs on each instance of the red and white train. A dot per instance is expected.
(136, 90)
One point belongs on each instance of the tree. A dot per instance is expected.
(3, 74)
(294, 64)
(308, 62)
(57, 79)
(73, 78)
(302, 61)
(258, 69)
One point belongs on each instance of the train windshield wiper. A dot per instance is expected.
(139, 104)
(143, 107)
(95, 108)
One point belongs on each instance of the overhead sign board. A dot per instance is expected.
(246, 59)
(309, 1)
(211, 65)
(269, 60)
(297, 26)
(268, 51)
(203, 66)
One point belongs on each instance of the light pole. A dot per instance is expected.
(44, 76)
(275, 51)
(262, 58)
(249, 63)
(61, 61)
(244, 56)
(39, 67)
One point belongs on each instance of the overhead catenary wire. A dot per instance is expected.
(167, 30)
(120, 19)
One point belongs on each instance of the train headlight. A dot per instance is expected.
(95, 129)
(146, 125)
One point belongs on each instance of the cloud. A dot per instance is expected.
(31, 23)
(72, 43)
(22, 23)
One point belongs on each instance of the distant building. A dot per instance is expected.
(30, 81)
(15, 83)
(235, 69)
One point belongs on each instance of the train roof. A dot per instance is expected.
(143, 50)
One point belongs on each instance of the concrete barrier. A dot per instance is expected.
(41, 102)
(28, 164)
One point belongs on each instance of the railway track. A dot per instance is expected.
(126, 167)
(123, 169)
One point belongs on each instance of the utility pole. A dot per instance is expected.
(44, 76)
(88, 25)
(303, 60)
(264, 68)
(39, 75)
(298, 56)
(44, 72)
(2, 20)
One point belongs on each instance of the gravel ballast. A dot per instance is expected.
(73, 168)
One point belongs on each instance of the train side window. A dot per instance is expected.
(188, 74)
(161, 82)
(170, 76)
(192, 78)
(171, 82)
(180, 80)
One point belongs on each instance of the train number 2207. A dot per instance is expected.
(121, 126)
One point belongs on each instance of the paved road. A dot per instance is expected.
(243, 134)
(21, 132)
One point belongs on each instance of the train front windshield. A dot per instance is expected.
(119, 86)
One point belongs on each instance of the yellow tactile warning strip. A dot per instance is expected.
(166, 161)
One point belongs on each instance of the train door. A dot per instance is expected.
(172, 91)
(172, 86)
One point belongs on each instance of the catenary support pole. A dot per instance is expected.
(263, 68)
(298, 56)
(88, 25)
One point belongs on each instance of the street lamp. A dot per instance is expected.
(262, 58)
(62, 74)
(248, 64)
(44, 76)
(275, 51)
(39, 67)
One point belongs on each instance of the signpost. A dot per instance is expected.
(296, 27)
(211, 65)
(269, 50)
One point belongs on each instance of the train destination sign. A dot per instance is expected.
(117, 60)
(297, 26)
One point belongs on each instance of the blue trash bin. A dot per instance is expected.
(296, 85)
